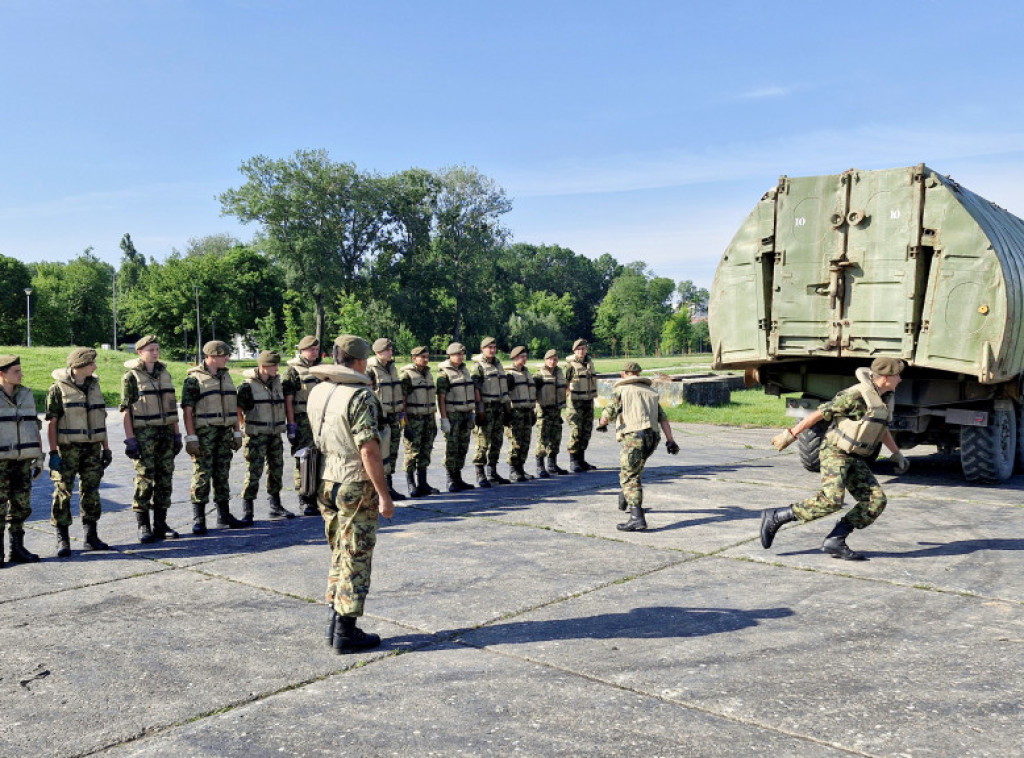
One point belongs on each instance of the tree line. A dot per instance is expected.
(419, 256)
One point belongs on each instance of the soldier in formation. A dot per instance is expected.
(492, 409)
(457, 399)
(582, 380)
(261, 412)
(152, 438)
(21, 457)
(209, 408)
(354, 489)
(551, 391)
(387, 386)
(859, 417)
(522, 396)
(634, 403)
(76, 430)
(420, 426)
(296, 385)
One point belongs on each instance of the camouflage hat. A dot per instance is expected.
(269, 358)
(632, 367)
(421, 350)
(517, 351)
(81, 356)
(217, 349)
(887, 366)
(308, 341)
(580, 343)
(455, 348)
(6, 361)
(487, 342)
(382, 344)
(149, 339)
(552, 353)
(355, 346)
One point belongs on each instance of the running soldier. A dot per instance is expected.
(551, 390)
(582, 380)
(296, 385)
(457, 398)
(387, 386)
(522, 398)
(491, 411)
(21, 457)
(420, 427)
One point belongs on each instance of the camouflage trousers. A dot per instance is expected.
(419, 434)
(519, 431)
(350, 523)
(395, 422)
(840, 472)
(15, 494)
(305, 439)
(154, 470)
(263, 450)
(84, 460)
(456, 442)
(581, 424)
(549, 431)
(488, 435)
(637, 447)
(213, 465)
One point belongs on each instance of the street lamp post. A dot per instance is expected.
(28, 316)
(199, 339)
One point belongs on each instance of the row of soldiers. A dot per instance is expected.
(219, 419)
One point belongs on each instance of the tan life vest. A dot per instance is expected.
(218, 398)
(387, 385)
(156, 404)
(85, 413)
(639, 406)
(328, 409)
(495, 387)
(19, 426)
(461, 395)
(552, 391)
(306, 384)
(267, 413)
(584, 381)
(522, 394)
(420, 402)
(862, 438)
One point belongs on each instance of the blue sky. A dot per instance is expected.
(647, 130)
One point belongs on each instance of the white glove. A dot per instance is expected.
(782, 441)
(446, 426)
(899, 460)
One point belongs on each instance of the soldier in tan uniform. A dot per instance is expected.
(582, 379)
(551, 390)
(489, 376)
(420, 426)
(522, 398)
(296, 384)
(354, 489)
(457, 398)
(21, 457)
(387, 386)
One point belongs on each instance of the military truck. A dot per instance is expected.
(829, 272)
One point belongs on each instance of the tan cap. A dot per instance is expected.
(269, 358)
(487, 342)
(517, 351)
(382, 344)
(632, 367)
(580, 343)
(455, 348)
(217, 349)
(552, 353)
(146, 341)
(308, 341)
(420, 350)
(887, 366)
(81, 356)
(6, 361)
(355, 346)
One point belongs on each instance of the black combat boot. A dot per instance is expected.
(145, 533)
(308, 506)
(636, 523)
(451, 483)
(278, 511)
(248, 513)
(494, 477)
(583, 463)
(574, 464)
(226, 518)
(92, 539)
(835, 543)
(554, 468)
(516, 475)
(3, 549)
(198, 519)
(18, 552)
(348, 638)
(395, 494)
(63, 542)
(410, 482)
(332, 624)
(623, 505)
(424, 485)
(542, 472)
(771, 520)
(481, 478)
(160, 528)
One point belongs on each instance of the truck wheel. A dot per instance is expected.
(1020, 440)
(809, 445)
(988, 453)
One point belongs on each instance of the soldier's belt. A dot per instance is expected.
(22, 446)
(90, 432)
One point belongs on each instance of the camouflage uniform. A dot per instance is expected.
(581, 407)
(154, 468)
(637, 446)
(78, 459)
(420, 424)
(388, 392)
(549, 425)
(15, 495)
(22, 424)
(213, 464)
(293, 386)
(262, 447)
(522, 417)
(490, 431)
(456, 446)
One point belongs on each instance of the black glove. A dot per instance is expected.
(107, 457)
(672, 447)
(177, 443)
(37, 466)
(55, 461)
(132, 449)
(292, 432)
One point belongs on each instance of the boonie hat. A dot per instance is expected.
(382, 344)
(81, 356)
(308, 341)
(146, 341)
(887, 366)
(217, 349)
(455, 348)
(269, 358)
(355, 346)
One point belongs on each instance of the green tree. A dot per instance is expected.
(635, 310)
(73, 305)
(694, 297)
(14, 278)
(265, 335)
(675, 334)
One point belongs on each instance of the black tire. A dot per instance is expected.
(809, 445)
(988, 453)
(1020, 439)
